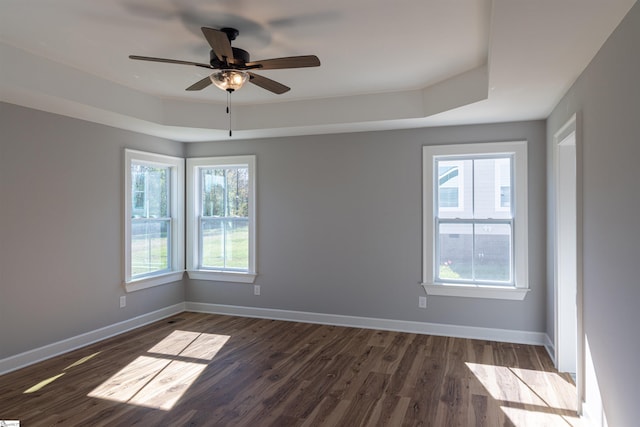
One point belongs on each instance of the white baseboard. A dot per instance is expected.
(473, 332)
(30, 357)
(551, 348)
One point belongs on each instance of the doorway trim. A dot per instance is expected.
(567, 148)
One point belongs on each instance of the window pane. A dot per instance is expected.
(238, 192)
(448, 197)
(149, 191)
(454, 188)
(492, 188)
(475, 252)
(237, 244)
(149, 246)
(138, 191)
(212, 243)
(505, 196)
(157, 194)
(225, 218)
(225, 244)
(455, 251)
(493, 252)
(225, 192)
(213, 195)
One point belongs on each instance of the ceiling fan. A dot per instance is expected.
(233, 65)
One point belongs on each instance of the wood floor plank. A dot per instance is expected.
(199, 369)
(371, 390)
(318, 387)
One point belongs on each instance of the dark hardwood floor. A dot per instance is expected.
(209, 370)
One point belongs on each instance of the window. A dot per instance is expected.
(475, 220)
(221, 218)
(154, 200)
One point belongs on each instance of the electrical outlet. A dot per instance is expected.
(123, 301)
(422, 302)
(256, 289)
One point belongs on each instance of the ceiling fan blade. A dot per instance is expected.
(169, 61)
(219, 42)
(286, 62)
(200, 84)
(268, 84)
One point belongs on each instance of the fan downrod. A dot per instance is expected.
(231, 33)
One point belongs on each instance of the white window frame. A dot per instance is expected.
(194, 165)
(518, 149)
(176, 197)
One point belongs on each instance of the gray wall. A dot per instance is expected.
(339, 220)
(61, 228)
(607, 95)
(340, 223)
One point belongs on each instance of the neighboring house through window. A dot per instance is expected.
(475, 220)
(450, 178)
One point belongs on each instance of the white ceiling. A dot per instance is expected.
(385, 65)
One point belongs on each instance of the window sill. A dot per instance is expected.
(222, 276)
(150, 282)
(476, 291)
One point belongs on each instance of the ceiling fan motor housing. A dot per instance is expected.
(240, 56)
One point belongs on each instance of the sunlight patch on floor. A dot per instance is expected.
(527, 417)
(49, 380)
(159, 378)
(42, 384)
(81, 361)
(529, 397)
(190, 344)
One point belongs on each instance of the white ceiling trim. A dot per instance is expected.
(530, 53)
(43, 84)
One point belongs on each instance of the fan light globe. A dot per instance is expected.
(229, 80)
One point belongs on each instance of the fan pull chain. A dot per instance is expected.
(229, 110)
